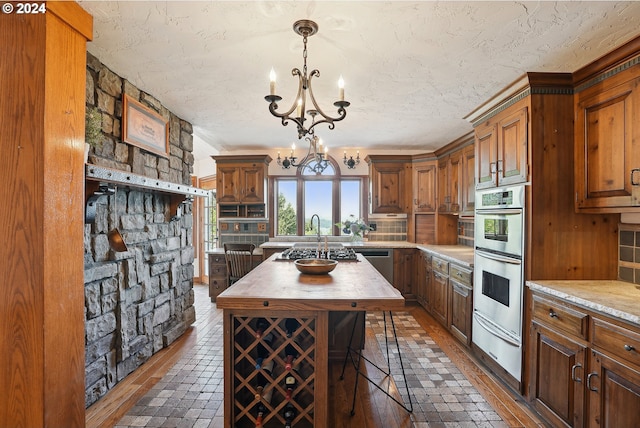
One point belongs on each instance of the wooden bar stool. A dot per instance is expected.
(239, 258)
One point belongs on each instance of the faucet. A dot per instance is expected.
(311, 222)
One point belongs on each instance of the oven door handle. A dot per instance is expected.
(494, 329)
(498, 258)
(502, 211)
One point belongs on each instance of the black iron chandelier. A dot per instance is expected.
(296, 113)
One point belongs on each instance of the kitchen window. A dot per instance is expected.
(330, 195)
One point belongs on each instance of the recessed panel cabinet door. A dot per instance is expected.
(253, 184)
(512, 165)
(424, 188)
(558, 374)
(387, 181)
(468, 186)
(608, 147)
(614, 393)
(486, 155)
(228, 186)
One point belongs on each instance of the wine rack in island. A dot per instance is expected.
(274, 369)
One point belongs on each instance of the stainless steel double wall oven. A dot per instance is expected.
(499, 276)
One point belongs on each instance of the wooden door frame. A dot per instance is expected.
(206, 183)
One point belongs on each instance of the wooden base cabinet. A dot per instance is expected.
(217, 275)
(461, 303)
(445, 291)
(404, 272)
(439, 296)
(614, 393)
(585, 367)
(557, 377)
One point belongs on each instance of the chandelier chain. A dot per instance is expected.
(304, 55)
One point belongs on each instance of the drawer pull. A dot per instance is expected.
(573, 373)
(459, 274)
(552, 313)
(589, 376)
(629, 348)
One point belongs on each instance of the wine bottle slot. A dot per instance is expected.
(261, 325)
(291, 325)
(261, 411)
(289, 413)
(291, 353)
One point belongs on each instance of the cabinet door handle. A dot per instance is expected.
(573, 372)
(552, 313)
(629, 348)
(415, 202)
(633, 172)
(492, 167)
(499, 164)
(589, 376)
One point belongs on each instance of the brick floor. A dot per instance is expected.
(191, 393)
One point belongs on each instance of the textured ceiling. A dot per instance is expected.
(413, 70)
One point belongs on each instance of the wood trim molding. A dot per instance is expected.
(617, 57)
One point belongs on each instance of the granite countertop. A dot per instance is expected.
(615, 298)
(460, 254)
(349, 244)
(256, 252)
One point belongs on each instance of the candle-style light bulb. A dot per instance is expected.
(341, 88)
(272, 81)
(299, 109)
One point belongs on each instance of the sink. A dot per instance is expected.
(314, 244)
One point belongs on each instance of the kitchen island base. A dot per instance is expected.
(277, 333)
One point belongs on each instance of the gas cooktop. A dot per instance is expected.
(340, 254)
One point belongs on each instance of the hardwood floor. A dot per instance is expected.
(372, 409)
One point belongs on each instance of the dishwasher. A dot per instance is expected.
(381, 259)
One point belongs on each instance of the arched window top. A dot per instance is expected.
(328, 168)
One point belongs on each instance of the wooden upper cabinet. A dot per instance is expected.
(389, 178)
(424, 187)
(228, 182)
(468, 186)
(512, 166)
(501, 149)
(607, 149)
(241, 179)
(486, 155)
(252, 179)
(449, 181)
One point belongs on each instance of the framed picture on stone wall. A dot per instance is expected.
(144, 128)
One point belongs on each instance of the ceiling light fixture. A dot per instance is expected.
(305, 28)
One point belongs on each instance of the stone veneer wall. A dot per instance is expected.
(139, 301)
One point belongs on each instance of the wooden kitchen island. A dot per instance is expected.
(275, 311)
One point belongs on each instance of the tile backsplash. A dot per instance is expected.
(629, 253)
(243, 231)
(388, 229)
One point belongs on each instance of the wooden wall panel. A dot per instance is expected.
(425, 228)
(42, 81)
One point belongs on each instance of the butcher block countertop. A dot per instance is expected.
(615, 298)
(278, 285)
